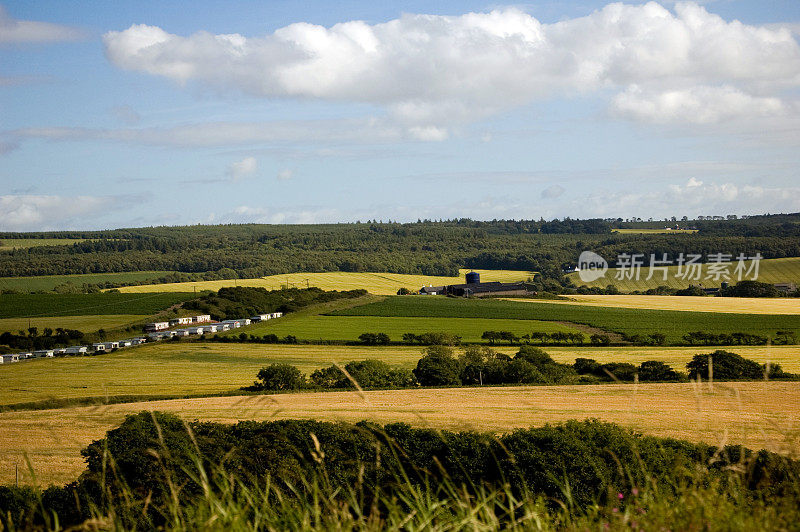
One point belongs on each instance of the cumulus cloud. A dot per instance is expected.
(28, 31)
(241, 169)
(38, 212)
(694, 197)
(697, 105)
(552, 192)
(434, 72)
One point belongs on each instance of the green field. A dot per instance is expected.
(36, 305)
(185, 368)
(786, 270)
(47, 282)
(381, 283)
(24, 243)
(80, 323)
(674, 324)
(348, 328)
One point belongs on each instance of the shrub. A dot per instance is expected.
(654, 370)
(279, 377)
(438, 367)
(726, 365)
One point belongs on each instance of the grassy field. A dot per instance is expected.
(192, 368)
(786, 270)
(81, 323)
(674, 324)
(349, 328)
(732, 305)
(48, 282)
(24, 243)
(375, 283)
(653, 231)
(35, 305)
(754, 414)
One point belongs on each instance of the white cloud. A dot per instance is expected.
(126, 114)
(435, 72)
(28, 31)
(697, 105)
(285, 174)
(241, 169)
(32, 212)
(552, 192)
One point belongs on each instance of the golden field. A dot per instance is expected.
(734, 305)
(757, 414)
(192, 368)
(375, 283)
(81, 323)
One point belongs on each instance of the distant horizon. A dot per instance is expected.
(378, 221)
(137, 114)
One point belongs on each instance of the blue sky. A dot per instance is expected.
(119, 114)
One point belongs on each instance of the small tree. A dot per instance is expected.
(654, 370)
(438, 367)
(280, 377)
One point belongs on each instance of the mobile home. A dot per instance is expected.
(203, 318)
(180, 321)
(8, 359)
(157, 326)
(76, 350)
(43, 353)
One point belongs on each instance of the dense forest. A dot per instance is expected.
(424, 247)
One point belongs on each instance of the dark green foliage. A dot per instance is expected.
(750, 289)
(374, 339)
(50, 339)
(367, 373)
(726, 366)
(279, 377)
(239, 302)
(654, 370)
(438, 367)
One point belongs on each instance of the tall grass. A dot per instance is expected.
(210, 496)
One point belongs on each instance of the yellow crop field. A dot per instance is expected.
(786, 270)
(189, 368)
(375, 283)
(756, 414)
(734, 305)
(24, 243)
(653, 231)
(81, 323)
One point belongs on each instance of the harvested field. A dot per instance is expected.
(759, 415)
(732, 305)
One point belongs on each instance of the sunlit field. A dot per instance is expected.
(734, 305)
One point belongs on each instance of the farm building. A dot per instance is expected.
(43, 353)
(76, 350)
(475, 288)
(157, 326)
(786, 288)
(8, 359)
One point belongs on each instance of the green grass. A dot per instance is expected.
(48, 282)
(674, 324)
(24, 243)
(786, 270)
(348, 328)
(34, 305)
(80, 323)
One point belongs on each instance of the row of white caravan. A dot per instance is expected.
(188, 320)
(102, 347)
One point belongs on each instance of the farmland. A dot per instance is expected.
(36, 305)
(754, 414)
(348, 328)
(728, 305)
(782, 270)
(674, 324)
(27, 243)
(81, 323)
(375, 283)
(654, 231)
(194, 368)
(49, 282)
